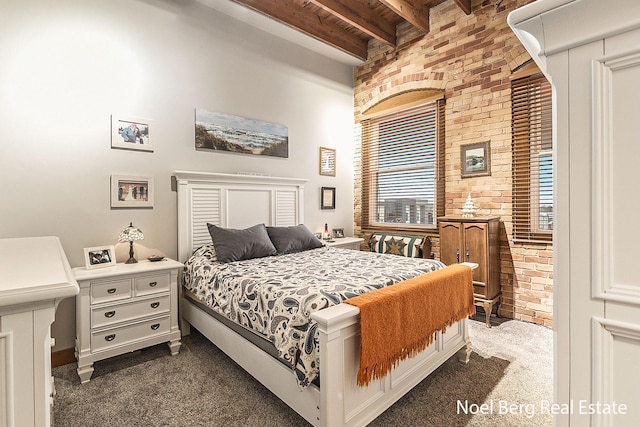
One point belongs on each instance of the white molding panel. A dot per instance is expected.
(615, 352)
(609, 248)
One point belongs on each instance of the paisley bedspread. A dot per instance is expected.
(274, 296)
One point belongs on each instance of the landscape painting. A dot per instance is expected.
(224, 132)
(475, 159)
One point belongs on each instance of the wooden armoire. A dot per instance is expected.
(474, 240)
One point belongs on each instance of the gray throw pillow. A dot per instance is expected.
(236, 245)
(293, 239)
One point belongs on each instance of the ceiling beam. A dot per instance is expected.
(361, 17)
(295, 16)
(414, 11)
(465, 5)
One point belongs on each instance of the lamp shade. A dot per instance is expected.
(130, 234)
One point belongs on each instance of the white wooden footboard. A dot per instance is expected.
(342, 402)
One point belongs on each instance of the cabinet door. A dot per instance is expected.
(475, 250)
(450, 242)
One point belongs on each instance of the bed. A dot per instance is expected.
(231, 201)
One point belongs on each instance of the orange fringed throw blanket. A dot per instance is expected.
(401, 320)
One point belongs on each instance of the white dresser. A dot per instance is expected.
(125, 308)
(35, 277)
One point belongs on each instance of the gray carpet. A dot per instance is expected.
(510, 369)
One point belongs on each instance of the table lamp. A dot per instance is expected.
(130, 234)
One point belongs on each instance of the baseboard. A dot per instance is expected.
(63, 357)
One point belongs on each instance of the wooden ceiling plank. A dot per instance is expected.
(361, 17)
(414, 11)
(293, 15)
(465, 5)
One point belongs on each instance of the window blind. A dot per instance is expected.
(402, 161)
(532, 159)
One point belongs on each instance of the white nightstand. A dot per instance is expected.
(125, 308)
(346, 243)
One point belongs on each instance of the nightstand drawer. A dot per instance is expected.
(127, 334)
(113, 290)
(110, 315)
(152, 284)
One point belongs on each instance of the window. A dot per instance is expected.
(402, 180)
(532, 156)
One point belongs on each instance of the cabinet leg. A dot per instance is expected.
(487, 313)
(85, 372)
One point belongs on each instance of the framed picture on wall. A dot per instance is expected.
(131, 133)
(130, 191)
(100, 256)
(327, 161)
(225, 132)
(328, 198)
(475, 159)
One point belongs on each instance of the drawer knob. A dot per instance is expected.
(155, 304)
(110, 337)
(155, 326)
(110, 313)
(153, 284)
(111, 290)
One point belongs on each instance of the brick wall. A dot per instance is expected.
(470, 57)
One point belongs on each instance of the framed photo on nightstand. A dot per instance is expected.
(100, 256)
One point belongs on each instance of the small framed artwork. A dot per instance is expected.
(327, 161)
(475, 159)
(328, 198)
(100, 256)
(129, 191)
(338, 233)
(131, 133)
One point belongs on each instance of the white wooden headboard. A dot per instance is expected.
(233, 201)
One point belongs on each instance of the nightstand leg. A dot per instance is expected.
(174, 346)
(85, 372)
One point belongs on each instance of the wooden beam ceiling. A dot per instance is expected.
(348, 25)
(362, 18)
(465, 5)
(415, 12)
(291, 13)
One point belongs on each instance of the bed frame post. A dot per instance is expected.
(331, 324)
(464, 354)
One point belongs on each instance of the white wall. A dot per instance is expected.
(67, 66)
